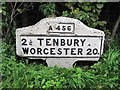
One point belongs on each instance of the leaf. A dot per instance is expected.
(19, 10)
(88, 3)
(93, 19)
(98, 11)
(43, 81)
(65, 13)
(101, 23)
(4, 13)
(86, 8)
(99, 5)
(94, 24)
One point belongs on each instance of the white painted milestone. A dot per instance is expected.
(60, 41)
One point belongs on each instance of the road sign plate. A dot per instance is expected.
(61, 46)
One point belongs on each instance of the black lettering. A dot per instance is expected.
(95, 51)
(73, 51)
(48, 42)
(76, 41)
(52, 51)
(50, 28)
(59, 51)
(62, 42)
(24, 41)
(63, 28)
(25, 50)
(89, 51)
(66, 50)
(30, 42)
(39, 51)
(32, 51)
(80, 50)
(82, 41)
(55, 42)
(58, 28)
(45, 51)
(40, 39)
(69, 42)
(69, 28)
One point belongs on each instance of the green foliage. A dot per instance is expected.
(87, 12)
(8, 25)
(48, 9)
(9, 12)
(4, 13)
(102, 75)
(108, 69)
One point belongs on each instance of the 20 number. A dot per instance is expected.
(92, 51)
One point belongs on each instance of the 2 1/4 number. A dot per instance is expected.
(24, 41)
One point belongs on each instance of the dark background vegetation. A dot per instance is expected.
(109, 13)
(19, 73)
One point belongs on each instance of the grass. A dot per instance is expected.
(101, 76)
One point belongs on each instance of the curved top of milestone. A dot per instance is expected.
(43, 27)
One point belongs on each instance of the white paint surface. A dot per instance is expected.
(67, 29)
(54, 46)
